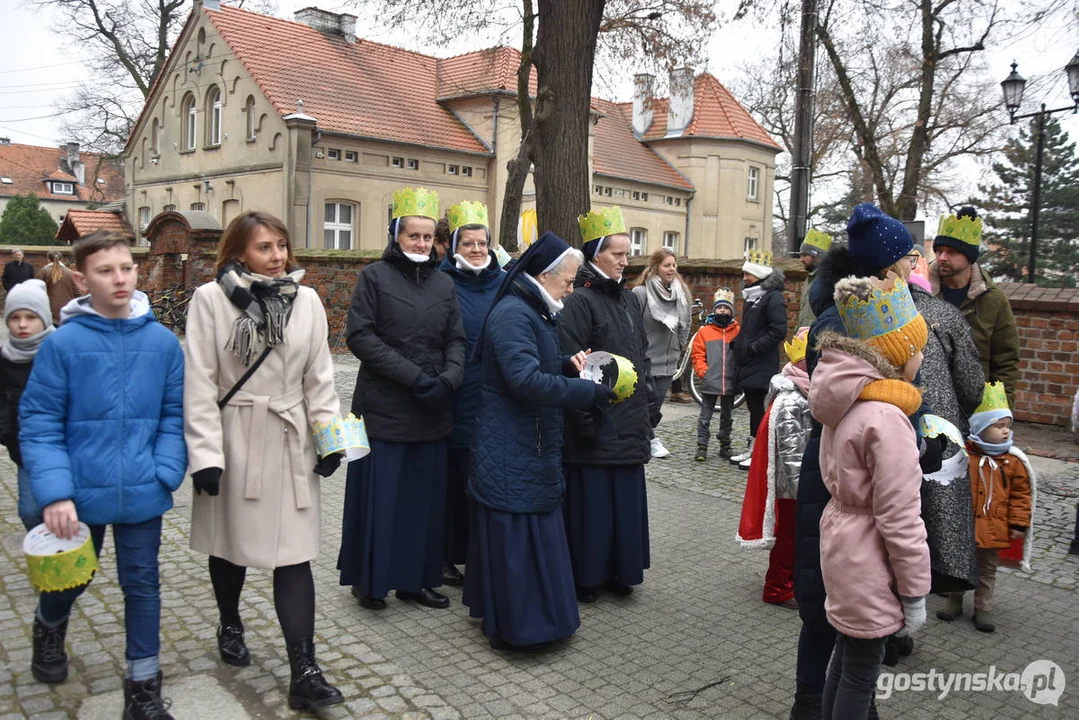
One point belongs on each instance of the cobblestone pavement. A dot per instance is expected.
(694, 641)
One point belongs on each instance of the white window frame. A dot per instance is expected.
(169, 208)
(397, 162)
(670, 240)
(213, 137)
(63, 188)
(333, 154)
(753, 181)
(644, 197)
(190, 112)
(198, 206)
(638, 241)
(352, 156)
(750, 243)
(6, 180)
(452, 169)
(412, 164)
(337, 227)
(466, 170)
(144, 217)
(607, 191)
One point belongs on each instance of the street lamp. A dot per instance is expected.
(1013, 87)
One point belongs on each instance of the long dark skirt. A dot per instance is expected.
(519, 577)
(456, 544)
(392, 532)
(606, 510)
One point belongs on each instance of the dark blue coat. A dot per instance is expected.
(474, 296)
(101, 419)
(517, 446)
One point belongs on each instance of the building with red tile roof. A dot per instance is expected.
(305, 120)
(79, 223)
(62, 178)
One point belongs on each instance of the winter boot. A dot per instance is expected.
(807, 704)
(307, 689)
(143, 701)
(725, 449)
(891, 651)
(49, 663)
(702, 453)
(983, 621)
(745, 455)
(953, 608)
(231, 645)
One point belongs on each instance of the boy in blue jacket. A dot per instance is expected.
(101, 430)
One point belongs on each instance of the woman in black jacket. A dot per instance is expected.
(756, 349)
(604, 453)
(405, 327)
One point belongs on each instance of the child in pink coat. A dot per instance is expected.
(874, 556)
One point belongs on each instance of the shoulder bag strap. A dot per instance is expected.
(243, 379)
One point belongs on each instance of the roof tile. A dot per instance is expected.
(618, 154)
(78, 223)
(29, 166)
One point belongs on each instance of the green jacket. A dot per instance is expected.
(992, 324)
(805, 312)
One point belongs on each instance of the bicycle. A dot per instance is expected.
(170, 308)
(685, 364)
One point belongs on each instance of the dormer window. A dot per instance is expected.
(63, 188)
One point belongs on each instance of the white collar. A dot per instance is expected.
(463, 264)
(554, 306)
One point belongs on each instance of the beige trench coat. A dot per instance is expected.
(267, 512)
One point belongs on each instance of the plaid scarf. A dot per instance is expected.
(266, 304)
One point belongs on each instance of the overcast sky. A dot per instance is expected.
(40, 66)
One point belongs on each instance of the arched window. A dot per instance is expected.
(252, 121)
(213, 124)
(187, 116)
(155, 138)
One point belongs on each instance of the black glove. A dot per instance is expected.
(328, 465)
(429, 390)
(603, 396)
(932, 453)
(207, 480)
(584, 425)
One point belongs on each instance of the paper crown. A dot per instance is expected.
(964, 229)
(601, 223)
(889, 308)
(624, 383)
(468, 212)
(796, 348)
(415, 202)
(815, 239)
(760, 257)
(723, 295)
(56, 564)
(993, 398)
(347, 435)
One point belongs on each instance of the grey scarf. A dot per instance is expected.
(666, 305)
(266, 304)
(23, 350)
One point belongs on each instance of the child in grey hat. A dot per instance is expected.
(29, 321)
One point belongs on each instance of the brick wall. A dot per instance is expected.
(1048, 321)
(1048, 318)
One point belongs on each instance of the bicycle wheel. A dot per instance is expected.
(739, 399)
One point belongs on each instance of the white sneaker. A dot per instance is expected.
(745, 463)
(658, 451)
(745, 455)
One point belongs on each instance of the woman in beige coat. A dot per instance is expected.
(256, 498)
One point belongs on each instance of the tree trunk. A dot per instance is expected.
(907, 202)
(564, 56)
(518, 167)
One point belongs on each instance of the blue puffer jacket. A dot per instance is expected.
(101, 419)
(474, 296)
(517, 447)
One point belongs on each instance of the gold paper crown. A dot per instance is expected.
(723, 295)
(817, 239)
(415, 202)
(796, 348)
(340, 435)
(468, 212)
(993, 398)
(760, 257)
(964, 229)
(601, 223)
(889, 308)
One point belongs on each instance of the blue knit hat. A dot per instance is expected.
(876, 239)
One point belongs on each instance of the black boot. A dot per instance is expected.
(231, 645)
(807, 704)
(143, 701)
(308, 690)
(451, 575)
(49, 663)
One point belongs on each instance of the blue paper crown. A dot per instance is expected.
(888, 308)
(339, 435)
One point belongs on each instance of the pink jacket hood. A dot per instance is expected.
(844, 369)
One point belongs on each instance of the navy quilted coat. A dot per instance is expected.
(474, 296)
(517, 447)
(101, 419)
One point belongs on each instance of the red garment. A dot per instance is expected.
(751, 526)
(779, 582)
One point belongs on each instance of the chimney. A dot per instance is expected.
(680, 110)
(328, 22)
(74, 162)
(5, 141)
(643, 84)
